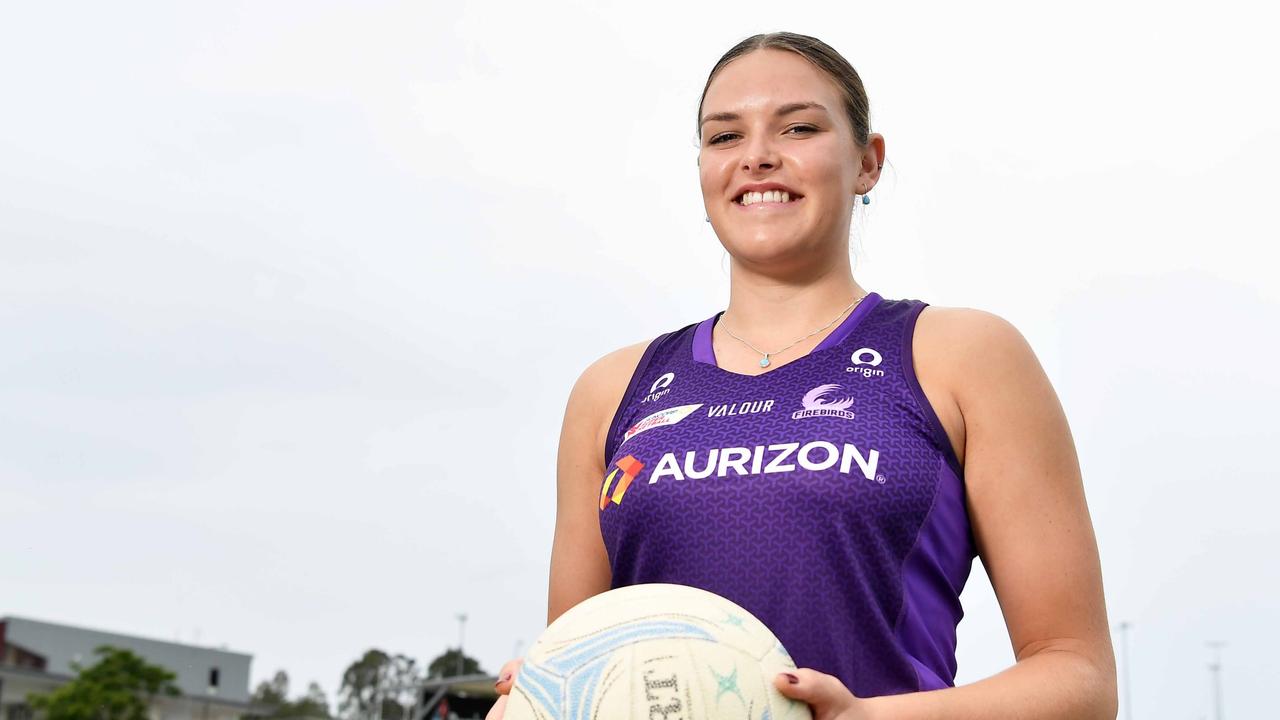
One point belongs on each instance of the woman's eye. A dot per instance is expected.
(726, 137)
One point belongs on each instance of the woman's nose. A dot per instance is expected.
(759, 154)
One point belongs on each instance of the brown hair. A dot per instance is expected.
(824, 57)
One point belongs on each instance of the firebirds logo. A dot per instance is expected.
(822, 402)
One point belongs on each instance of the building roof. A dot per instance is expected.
(62, 645)
(158, 641)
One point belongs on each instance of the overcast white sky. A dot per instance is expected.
(292, 295)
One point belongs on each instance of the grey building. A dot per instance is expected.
(37, 656)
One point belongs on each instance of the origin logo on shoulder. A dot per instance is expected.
(865, 362)
(660, 387)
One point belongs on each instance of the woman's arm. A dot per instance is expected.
(1031, 523)
(1029, 517)
(579, 563)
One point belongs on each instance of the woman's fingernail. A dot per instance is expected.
(791, 678)
(505, 677)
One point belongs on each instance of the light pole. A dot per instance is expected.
(1215, 669)
(462, 624)
(1124, 677)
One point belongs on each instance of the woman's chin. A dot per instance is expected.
(771, 249)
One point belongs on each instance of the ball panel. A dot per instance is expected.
(540, 688)
(521, 707)
(729, 681)
(580, 697)
(562, 655)
(663, 684)
(613, 698)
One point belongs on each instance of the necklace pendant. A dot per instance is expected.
(764, 361)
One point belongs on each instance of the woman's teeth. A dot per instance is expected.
(776, 196)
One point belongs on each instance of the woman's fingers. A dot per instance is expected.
(828, 696)
(507, 676)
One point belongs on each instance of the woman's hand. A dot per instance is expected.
(828, 697)
(506, 679)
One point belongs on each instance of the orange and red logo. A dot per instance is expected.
(630, 468)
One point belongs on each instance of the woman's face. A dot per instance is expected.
(770, 117)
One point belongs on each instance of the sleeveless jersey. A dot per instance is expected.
(823, 496)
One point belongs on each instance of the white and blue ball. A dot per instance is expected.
(654, 652)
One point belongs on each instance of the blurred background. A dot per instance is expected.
(292, 295)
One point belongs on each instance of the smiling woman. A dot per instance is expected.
(887, 445)
(775, 107)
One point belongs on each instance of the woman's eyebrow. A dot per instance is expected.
(782, 110)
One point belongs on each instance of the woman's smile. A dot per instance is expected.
(756, 205)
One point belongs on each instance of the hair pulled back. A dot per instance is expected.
(824, 57)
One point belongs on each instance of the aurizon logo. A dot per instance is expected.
(630, 468)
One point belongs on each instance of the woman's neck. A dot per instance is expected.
(772, 312)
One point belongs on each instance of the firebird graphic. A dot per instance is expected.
(816, 398)
(822, 402)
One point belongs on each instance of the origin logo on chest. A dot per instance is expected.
(753, 407)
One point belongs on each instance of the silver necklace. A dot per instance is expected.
(764, 356)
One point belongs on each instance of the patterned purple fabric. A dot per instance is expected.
(822, 496)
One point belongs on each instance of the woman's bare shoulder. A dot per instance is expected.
(953, 349)
(602, 384)
(964, 340)
(610, 374)
(958, 320)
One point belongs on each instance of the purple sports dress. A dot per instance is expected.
(823, 496)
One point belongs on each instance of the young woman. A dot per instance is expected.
(830, 459)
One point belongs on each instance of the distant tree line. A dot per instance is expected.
(122, 686)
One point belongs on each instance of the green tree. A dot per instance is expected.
(447, 665)
(272, 701)
(379, 686)
(273, 692)
(314, 703)
(120, 686)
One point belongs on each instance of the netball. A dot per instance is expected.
(654, 650)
